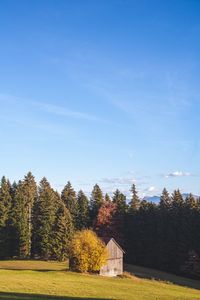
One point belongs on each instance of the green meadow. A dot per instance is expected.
(39, 280)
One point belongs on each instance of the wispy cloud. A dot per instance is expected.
(178, 174)
(63, 111)
(44, 126)
(51, 108)
(118, 180)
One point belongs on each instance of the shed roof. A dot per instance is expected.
(107, 239)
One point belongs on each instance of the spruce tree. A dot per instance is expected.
(68, 196)
(96, 200)
(83, 217)
(120, 200)
(190, 202)
(30, 196)
(165, 200)
(107, 198)
(179, 228)
(24, 197)
(13, 232)
(44, 216)
(62, 231)
(5, 201)
(134, 204)
(5, 205)
(177, 200)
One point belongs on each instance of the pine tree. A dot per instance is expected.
(83, 218)
(13, 240)
(62, 232)
(24, 197)
(164, 232)
(177, 200)
(5, 205)
(190, 202)
(120, 200)
(5, 201)
(96, 200)
(44, 216)
(179, 230)
(165, 200)
(68, 196)
(30, 196)
(107, 198)
(135, 200)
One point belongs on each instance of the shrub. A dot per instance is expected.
(87, 252)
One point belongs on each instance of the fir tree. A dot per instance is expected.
(5, 205)
(68, 196)
(107, 198)
(96, 200)
(5, 201)
(120, 200)
(190, 202)
(83, 211)
(135, 200)
(13, 240)
(177, 200)
(62, 232)
(30, 196)
(24, 197)
(165, 200)
(44, 216)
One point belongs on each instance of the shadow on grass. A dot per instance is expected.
(35, 270)
(147, 273)
(21, 296)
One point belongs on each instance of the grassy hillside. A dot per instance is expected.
(31, 280)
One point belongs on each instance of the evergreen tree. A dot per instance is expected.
(165, 231)
(24, 197)
(68, 196)
(178, 231)
(165, 200)
(107, 198)
(83, 211)
(62, 232)
(5, 205)
(135, 200)
(44, 216)
(12, 237)
(190, 202)
(120, 200)
(30, 196)
(177, 200)
(5, 201)
(96, 200)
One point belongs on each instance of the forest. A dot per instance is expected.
(38, 222)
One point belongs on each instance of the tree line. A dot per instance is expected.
(36, 221)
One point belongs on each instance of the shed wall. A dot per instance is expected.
(114, 265)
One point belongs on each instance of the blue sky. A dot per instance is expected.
(101, 91)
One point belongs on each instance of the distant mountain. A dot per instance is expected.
(184, 195)
(156, 199)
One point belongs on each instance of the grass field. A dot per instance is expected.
(36, 280)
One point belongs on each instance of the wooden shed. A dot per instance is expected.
(114, 265)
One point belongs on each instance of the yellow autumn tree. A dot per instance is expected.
(87, 252)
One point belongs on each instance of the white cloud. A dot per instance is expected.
(118, 180)
(151, 189)
(178, 174)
